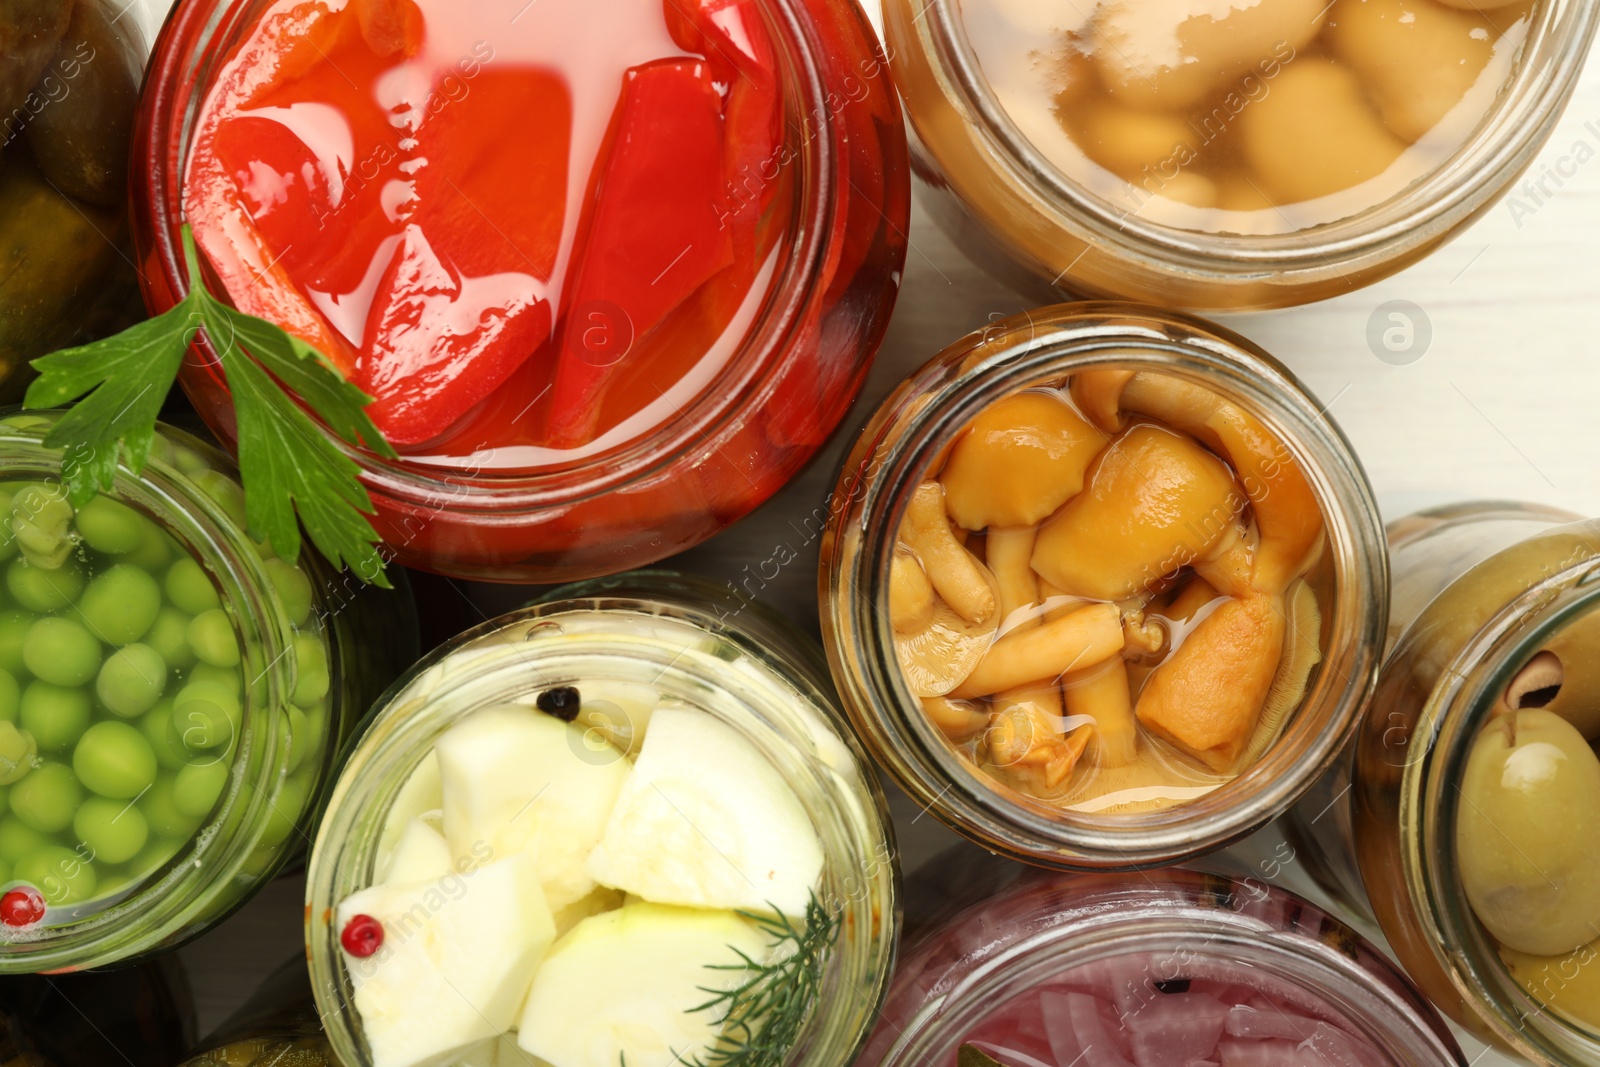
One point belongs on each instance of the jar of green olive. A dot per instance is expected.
(1466, 818)
(172, 698)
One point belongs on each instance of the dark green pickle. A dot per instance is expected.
(69, 86)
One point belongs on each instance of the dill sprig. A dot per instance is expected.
(763, 1015)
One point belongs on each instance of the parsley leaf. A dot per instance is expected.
(286, 461)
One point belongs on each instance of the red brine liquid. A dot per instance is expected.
(1170, 1010)
(526, 229)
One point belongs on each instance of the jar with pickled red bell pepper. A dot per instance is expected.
(1152, 970)
(172, 700)
(69, 86)
(625, 825)
(1465, 818)
(1225, 156)
(1099, 586)
(611, 270)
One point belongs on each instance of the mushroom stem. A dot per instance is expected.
(956, 719)
(1087, 636)
(910, 593)
(1010, 548)
(950, 567)
(1104, 696)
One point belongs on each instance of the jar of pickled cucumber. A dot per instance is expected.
(1224, 157)
(1102, 587)
(1464, 819)
(69, 86)
(625, 825)
(172, 700)
(1152, 970)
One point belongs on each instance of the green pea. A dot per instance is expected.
(287, 808)
(111, 884)
(166, 742)
(198, 787)
(14, 627)
(316, 730)
(46, 798)
(154, 856)
(189, 461)
(38, 589)
(131, 681)
(227, 678)
(41, 520)
(226, 492)
(116, 830)
(18, 750)
(299, 739)
(212, 638)
(169, 636)
(293, 588)
(205, 717)
(61, 652)
(190, 589)
(155, 551)
(5, 806)
(110, 526)
(311, 666)
(5, 872)
(56, 717)
(114, 760)
(59, 874)
(18, 840)
(163, 813)
(121, 604)
(10, 696)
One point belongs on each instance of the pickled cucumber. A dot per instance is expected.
(30, 30)
(80, 139)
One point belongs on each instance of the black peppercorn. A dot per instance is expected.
(563, 702)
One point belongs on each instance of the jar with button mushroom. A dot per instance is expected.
(1225, 156)
(1466, 818)
(1098, 587)
(172, 700)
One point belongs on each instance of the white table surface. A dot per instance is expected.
(1503, 404)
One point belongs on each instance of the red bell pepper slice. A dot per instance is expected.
(655, 235)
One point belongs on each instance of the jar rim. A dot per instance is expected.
(163, 132)
(400, 729)
(889, 460)
(1502, 145)
(1451, 719)
(1198, 915)
(180, 893)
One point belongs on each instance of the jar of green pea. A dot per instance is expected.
(172, 700)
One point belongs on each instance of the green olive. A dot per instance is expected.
(30, 31)
(1528, 833)
(80, 139)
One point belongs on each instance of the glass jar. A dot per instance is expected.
(1001, 976)
(174, 701)
(998, 193)
(143, 1016)
(277, 1025)
(914, 429)
(69, 85)
(696, 647)
(547, 515)
(1480, 590)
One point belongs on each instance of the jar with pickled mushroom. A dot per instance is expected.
(1100, 587)
(1466, 818)
(625, 825)
(172, 700)
(1157, 969)
(1225, 154)
(69, 86)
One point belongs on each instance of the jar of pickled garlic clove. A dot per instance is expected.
(173, 697)
(1099, 587)
(1466, 818)
(1225, 155)
(612, 270)
(624, 825)
(1152, 970)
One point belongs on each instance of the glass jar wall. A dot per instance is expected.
(637, 422)
(1452, 822)
(1098, 587)
(648, 734)
(174, 697)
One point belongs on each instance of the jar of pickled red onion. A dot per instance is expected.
(1274, 154)
(1170, 967)
(1102, 587)
(1461, 819)
(584, 367)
